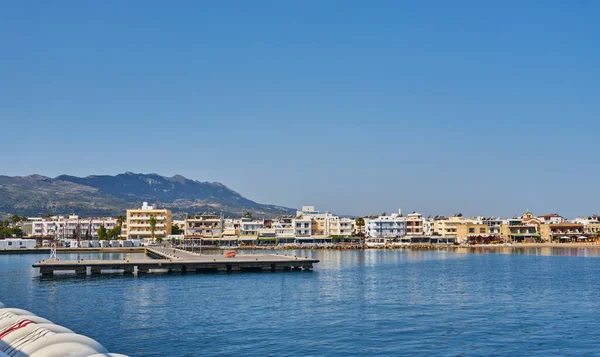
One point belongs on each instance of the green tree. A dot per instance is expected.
(113, 234)
(102, 235)
(175, 229)
(384, 214)
(248, 215)
(360, 222)
(120, 220)
(152, 222)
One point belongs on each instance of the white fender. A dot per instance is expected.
(57, 345)
(29, 334)
(7, 322)
(11, 311)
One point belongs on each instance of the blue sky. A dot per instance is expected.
(357, 107)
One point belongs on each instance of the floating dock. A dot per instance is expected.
(171, 260)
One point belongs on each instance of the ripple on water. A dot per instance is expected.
(355, 303)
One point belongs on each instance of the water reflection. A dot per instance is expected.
(542, 251)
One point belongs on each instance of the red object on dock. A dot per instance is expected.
(230, 255)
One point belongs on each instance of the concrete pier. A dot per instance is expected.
(172, 260)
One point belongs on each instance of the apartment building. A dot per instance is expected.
(523, 229)
(138, 222)
(206, 226)
(414, 224)
(302, 227)
(389, 226)
(550, 218)
(563, 232)
(448, 227)
(74, 227)
(249, 227)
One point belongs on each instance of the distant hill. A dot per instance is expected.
(37, 195)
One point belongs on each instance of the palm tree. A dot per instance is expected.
(360, 222)
(120, 220)
(152, 222)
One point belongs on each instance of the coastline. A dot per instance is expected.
(416, 246)
(320, 247)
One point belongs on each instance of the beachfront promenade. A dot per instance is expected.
(172, 260)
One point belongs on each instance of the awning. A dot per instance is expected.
(248, 238)
(565, 237)
(582, 237)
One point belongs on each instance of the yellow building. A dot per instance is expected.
(449, 227)
(471, 230)
(203, 226)
(138, 222)
(592, 229)
(523, 229)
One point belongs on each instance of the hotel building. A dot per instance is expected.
(203, 226)
(391, 226)
(73, 227)
(138, 222)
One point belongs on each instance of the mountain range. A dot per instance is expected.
(105, 195)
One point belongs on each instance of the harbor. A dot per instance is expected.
(173, 260)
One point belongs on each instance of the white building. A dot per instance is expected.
(326, 224)
(347, 226)
(550, 218)
(391, 226)
(62, 227)
(302, 227)
(249, 227)
(284, 227)
(428, 227)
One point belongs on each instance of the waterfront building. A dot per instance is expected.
(74, 227)
(249, 227)
(564, 232)
(138, 222)
(448, 226)
(346, 227)
(523, 229)
(302, 227)
(323, 225)
(550, 218)
(494, 225)
(428, 227)
(591, 226)
(284, 229)
(229, 230)
(203, 226)
(414, 224)
(391, 226)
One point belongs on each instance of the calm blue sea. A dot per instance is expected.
(538, 302)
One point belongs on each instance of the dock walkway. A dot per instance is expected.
(171, 260)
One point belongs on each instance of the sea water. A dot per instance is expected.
(535, 302)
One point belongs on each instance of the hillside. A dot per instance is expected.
(36, 195)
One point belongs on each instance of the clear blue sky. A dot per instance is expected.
(357, 107)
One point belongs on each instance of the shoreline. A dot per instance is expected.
(317, 247)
